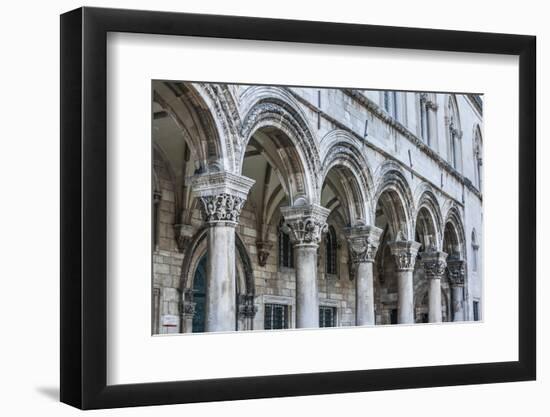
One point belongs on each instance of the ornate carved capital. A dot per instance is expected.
(222, 195)
(404, 252)
(434, 264)
(247, 309)
(363, 242)
(306, 223)
(456, 269)
(263, 249)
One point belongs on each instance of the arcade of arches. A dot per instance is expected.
(279, 207)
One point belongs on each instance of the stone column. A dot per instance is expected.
(434, 268)
(457, 269)
(405, 252)
(222, 196)
(363, 243)
(307, 223)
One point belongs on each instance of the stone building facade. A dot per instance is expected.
(290, 207)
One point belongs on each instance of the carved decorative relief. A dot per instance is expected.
(247, 309)
(306, 223)
(404, 252)
(222, 195)
(222, 207)
(363, 243)
(456, 269)
(434, 264)
(263, 249)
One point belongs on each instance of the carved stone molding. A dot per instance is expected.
(363, 242)
(263, 249)
(222, 195)
(187, 306)
(247, 309)
(157, 196)
(183, 234)
(434, 264)
(306, 223)
(404, 252)
(456, 269)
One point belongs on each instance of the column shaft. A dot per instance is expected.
(434, 263)
(364, 295)
(221, 291)
(307, 301)
(306, 224)
(457, 271)
(457, 295)
(405, 297)
(404, 253)
(434, 296)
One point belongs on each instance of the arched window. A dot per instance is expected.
(286, 252)
(390, 103)
(478, 158)
(428, 123)
(331, 248)
(475, 248)
(424, 133)
(454, 134)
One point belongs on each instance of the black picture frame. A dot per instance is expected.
(84, 207)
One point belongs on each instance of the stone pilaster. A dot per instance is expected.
(363, 242)
(434, 264)
(456, 269)
(306, 223)
(222, 196)
(404, 252)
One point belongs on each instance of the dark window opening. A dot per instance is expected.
(275, 316)
(327, 316)
(330, 251)
(286, 250)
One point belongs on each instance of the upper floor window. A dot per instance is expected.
(478, 158)
(331, 248)
(390, 103)
(454, 134)
(428, 122)
(286, 252)
(475, 248)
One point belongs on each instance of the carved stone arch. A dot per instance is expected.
(394, 194)
(301, 155)
(340, 151)
(454, 237)
(197, 249)
(206, 118)
(428, 214)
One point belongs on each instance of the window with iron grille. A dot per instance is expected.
(330, 251)
(286, 252)
(476, 310)
(327, 316)
(275, 316)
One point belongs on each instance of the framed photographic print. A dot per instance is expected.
(257, 207)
